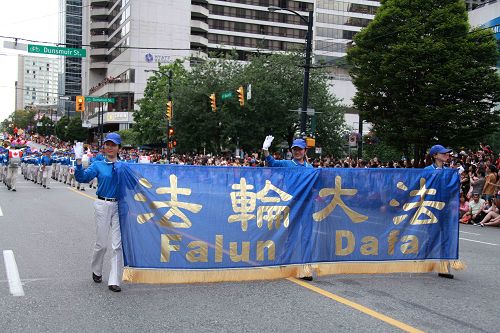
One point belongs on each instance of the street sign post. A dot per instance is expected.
(61, 51)
(99, 99)
(227, 95)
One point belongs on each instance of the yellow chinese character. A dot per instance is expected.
(421, 205)
(273, 214)
(337, 192)
(174, 204)
(243, 202)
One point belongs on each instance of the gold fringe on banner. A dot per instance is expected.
(159, 276)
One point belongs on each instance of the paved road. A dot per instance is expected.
(51, 234)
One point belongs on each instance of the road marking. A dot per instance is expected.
(359, 307)
(476, 241)
(15, 285)
(79, 192)
(1, 213)
(471, 233)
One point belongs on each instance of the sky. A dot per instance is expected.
(30, 19)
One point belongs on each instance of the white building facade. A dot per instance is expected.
(37, 82)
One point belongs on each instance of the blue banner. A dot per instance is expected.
(197, 217)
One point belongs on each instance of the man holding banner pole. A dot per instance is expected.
(299, 151)
(105, 208)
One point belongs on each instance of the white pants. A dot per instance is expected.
(106, 218)
(46, 175)
(12, 176)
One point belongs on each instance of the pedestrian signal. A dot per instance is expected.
(213, 103)
(171, 131)
(241, 95)
(80, 103)
(169, 110)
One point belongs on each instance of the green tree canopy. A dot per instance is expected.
(276, 82)
(423, 76)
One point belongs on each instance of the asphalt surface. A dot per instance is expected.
(51, 234)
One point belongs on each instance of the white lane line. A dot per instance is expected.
(470, 233)
(476, 241)
(15, 285)
(1, 213)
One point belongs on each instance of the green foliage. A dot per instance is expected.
(47, 126)
(61, 127)
(423, 78)
(129, 137)
(75, 131)
(276, 89)
(20, 119)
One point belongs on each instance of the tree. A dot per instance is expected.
(422, 77)
(61, 127)
(276, 90)
(75, 131)
(47, 126)
(129, 137)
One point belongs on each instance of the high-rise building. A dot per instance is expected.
(37, 83)
(70, 35)
(128, 37)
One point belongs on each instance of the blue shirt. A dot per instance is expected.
(286, 163)
(46, 160)
(107, 176)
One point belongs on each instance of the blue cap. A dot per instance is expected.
(300, 143)
(114, 137)
(438, 149)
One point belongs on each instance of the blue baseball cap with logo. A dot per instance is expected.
(438, 149)
(113, 137)
(299, 143)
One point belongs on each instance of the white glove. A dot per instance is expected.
(267, 142)
(78, 148)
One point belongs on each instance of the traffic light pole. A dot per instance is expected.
(307, 66)
(168, 121)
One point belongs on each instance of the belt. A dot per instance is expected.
(107, 199)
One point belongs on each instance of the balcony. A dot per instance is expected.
(199, 26)
(99, 13)
(100, 25)
(98, 52)
(98, 40)
(198, 41)
(100, 3)
(199, 11)
(198, 54)
(98, 64)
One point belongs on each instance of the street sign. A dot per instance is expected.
(61, 51)
(99, 99)
(64, 98)
(318, 150)
(86, 124)
(249, 92)
(227, 95)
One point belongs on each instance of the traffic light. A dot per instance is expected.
(241, 95)
(169, 110)
(80, 103)
(213, 102)
(171, 132)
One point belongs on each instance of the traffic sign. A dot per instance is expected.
(99, 99)
(227, 95)
(61, 51)
(64, 98)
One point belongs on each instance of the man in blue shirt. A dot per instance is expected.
(46, 162)
(440, 155)
(105, 208)
(299, 151)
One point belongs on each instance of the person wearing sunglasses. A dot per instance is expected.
(105, 208)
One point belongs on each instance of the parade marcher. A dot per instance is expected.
(13, 161)
(46, 164)
(105, 208)
(440, 155)
(299, 152)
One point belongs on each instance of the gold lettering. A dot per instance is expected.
(370, 246)
(269, 244)
(166, 247)
(392, 240)
(218, 247)
(199, 254)
(245, 251)
(410, 244)
(351, 242)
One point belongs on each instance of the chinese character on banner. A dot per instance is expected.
(244, 202)
(422, 206)
(175, 206)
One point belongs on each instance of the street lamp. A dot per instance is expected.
(169, 103)
(307, 66)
